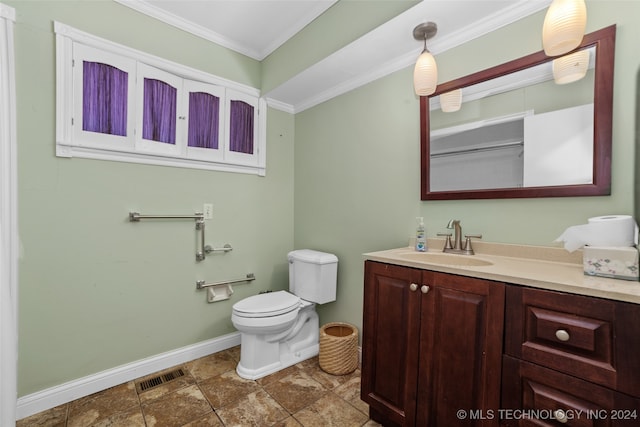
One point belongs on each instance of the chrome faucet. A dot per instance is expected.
(457, 247)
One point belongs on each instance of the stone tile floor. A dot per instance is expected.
(211, 394)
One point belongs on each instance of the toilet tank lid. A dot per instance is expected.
(309, 255)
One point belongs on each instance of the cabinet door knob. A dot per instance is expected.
(424, 289)
(562, 335)
(413, 287)
(560, 416)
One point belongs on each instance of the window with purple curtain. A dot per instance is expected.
(204, 111)
(159, 113)
(104, 99)
(241, 130)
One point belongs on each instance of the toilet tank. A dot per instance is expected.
(313, 275)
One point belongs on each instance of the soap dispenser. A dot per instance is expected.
(421, 238)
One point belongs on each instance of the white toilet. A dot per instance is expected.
(280, 329)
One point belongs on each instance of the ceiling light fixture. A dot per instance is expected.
(571, 68)
(451, 101)
(425, 73)
(564, 26)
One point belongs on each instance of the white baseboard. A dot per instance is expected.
(72, 390)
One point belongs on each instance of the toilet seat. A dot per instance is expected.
(267, 305)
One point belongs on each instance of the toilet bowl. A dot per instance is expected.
(269, 342)
(279, 329)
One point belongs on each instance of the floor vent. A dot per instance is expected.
(159, 380)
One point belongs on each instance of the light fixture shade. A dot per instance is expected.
(570, 68)
(425, 74)
(564, 26)
(451, 101)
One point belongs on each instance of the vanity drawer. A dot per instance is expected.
(537, 396)
(587, 337)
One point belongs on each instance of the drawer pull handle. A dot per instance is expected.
(413, 287)
(562, 335)
(560, 416)
(424, 289)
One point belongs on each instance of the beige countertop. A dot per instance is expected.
(535, 266)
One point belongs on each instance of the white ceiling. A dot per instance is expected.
(257, 27)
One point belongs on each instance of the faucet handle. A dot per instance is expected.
(447, 243)
(467, 244)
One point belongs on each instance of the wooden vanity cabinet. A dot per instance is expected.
(570, 353)
(431, 346)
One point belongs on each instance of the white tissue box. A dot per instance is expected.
(614, 262)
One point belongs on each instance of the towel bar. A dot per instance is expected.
(136, 216)
(198, 216)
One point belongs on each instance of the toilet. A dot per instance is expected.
(279, 329)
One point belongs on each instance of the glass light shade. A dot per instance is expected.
(570, 68)
(564, 26)
(425, 74)
(450, 102)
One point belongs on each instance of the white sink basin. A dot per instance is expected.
(445, 259)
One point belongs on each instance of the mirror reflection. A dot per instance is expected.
(536, 126)
(515, 131)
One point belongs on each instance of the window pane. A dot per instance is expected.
(241, 129)
(204, 111)
(104, 101)
(159, 114)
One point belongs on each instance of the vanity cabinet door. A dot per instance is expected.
(460, 351)
(431, 346)
(390, 342)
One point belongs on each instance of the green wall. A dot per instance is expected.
(357, 166)
(97, 291)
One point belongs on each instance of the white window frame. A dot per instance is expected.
(234, 156)
(97, 139)
(147, 145)
(198, 152)
(71, 142)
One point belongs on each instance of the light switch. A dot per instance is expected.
(208, 211)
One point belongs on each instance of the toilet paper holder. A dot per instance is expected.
(222, 290)
(219, 293)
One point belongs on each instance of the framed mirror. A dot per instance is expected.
(523, 128)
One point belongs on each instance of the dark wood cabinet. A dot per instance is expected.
(431, 346)
(537, 396)
(570, 359)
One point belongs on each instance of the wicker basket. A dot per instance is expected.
(338, 348)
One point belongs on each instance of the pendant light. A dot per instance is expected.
(425, 73)
(564, 26)
(571, 68)
(451, 101)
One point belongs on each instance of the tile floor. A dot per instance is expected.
(211, 394)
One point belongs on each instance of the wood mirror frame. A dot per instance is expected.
(604, 42)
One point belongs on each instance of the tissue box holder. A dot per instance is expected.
(613, 262)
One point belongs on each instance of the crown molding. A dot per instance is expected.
(277, 105)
